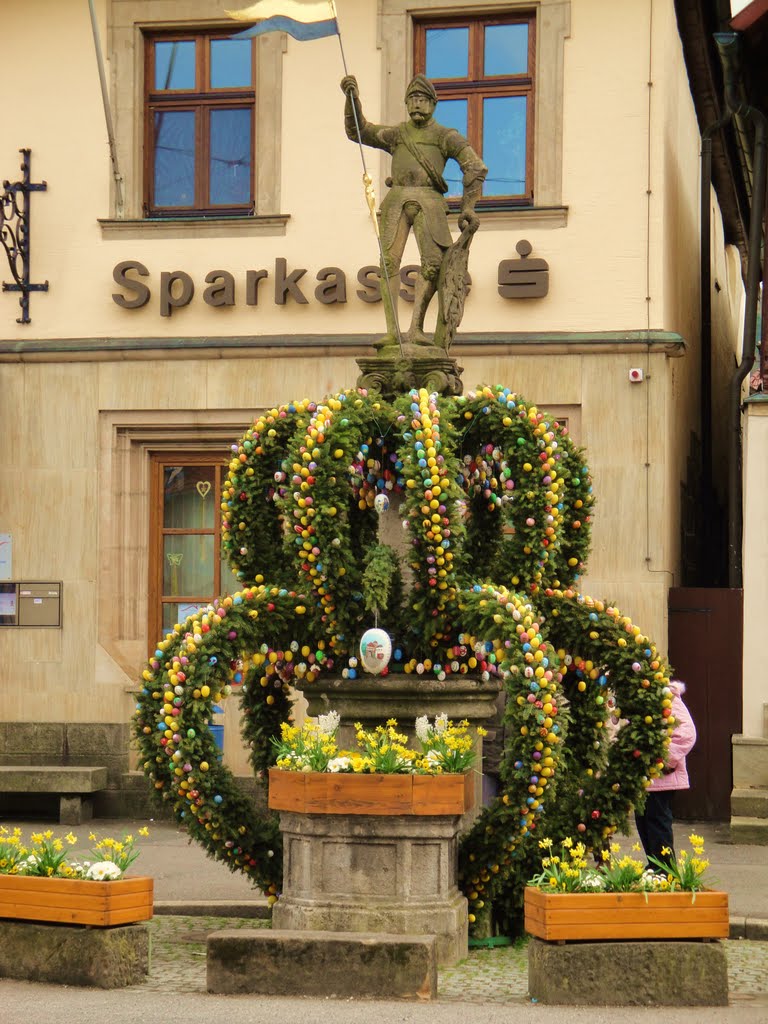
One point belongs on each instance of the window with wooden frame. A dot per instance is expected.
(483, 69)
(186, 567)
(199, 101)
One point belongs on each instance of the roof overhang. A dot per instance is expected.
(698, 21)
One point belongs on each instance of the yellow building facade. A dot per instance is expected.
(161, 335)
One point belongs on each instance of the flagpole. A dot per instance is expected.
(370, 194)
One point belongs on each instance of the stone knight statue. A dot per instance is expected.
(420, 149)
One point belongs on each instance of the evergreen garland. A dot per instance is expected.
(497, 503)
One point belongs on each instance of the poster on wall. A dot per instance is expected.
(6, 548)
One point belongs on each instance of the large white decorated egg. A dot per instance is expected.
(375, 650)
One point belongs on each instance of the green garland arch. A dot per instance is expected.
(496, 502)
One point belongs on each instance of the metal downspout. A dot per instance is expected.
(726, 43)
(735, 511)
(117, 176)
(705, 395)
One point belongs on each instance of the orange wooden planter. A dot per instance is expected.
(331, 793)
(74, 901)
(625, 915)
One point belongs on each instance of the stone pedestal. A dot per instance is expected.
(654, 973)
(372, 700)
(62, 954)
(376, 874)
(392, 373)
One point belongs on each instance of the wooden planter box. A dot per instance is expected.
(574, 917)
(331, 793)
(74, 901)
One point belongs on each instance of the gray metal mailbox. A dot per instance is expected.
(39, 604)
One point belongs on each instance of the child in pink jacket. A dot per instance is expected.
(654, 825)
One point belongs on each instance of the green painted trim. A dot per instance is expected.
(667, 341)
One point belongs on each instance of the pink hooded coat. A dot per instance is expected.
(681, 743)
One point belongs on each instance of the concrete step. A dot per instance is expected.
(748, 830)
(749, 803)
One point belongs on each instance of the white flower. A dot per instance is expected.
(28, 865)
(328, 724)
(592, 882)
(423, 728)
(441, 723)
(103, 871)
(650, 879)
(339, 764)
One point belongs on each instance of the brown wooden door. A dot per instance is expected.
(705, 645)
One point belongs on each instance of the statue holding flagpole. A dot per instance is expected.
(420, 149)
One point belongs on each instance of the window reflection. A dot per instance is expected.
(230, 63)
(199, 104)
(174, 158)
(189, 570)
(175, 65)
(506, 49)
(482, 67)
(187, 565)
(230, 160)
(189, 497)
(504, 125)
(447, 52)
(453, 114)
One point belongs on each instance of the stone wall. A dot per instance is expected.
(128, 793)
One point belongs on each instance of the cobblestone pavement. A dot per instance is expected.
(498, 975)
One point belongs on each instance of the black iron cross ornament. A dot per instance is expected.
(14, 234)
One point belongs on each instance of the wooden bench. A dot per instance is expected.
(75, 785)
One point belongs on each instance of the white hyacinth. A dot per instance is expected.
(328, 724)
(441, 723)
(423, 728)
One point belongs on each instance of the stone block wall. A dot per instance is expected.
(128, 793)
(67, 743)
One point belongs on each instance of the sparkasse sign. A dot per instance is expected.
(519, 278)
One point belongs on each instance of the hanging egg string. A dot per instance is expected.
(525, 546)
(376, 479)
(489, 478)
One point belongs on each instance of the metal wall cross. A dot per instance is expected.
(14, 234)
